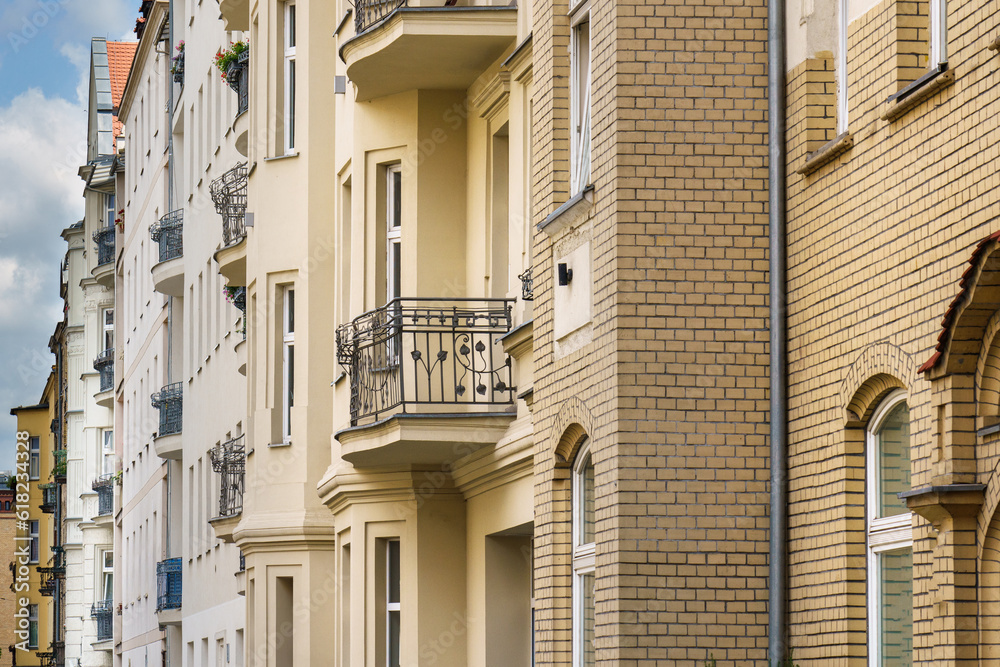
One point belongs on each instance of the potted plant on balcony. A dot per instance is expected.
(177, 63)
(230, 63)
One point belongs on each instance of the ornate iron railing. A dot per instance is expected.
(105, 487)
(105, 240)
(229, 460)
(59, 466)
(50, 497)
(440, 352)
(168, 584)
(47, 659)
(229, 192)
(178, 67)
(369, 13)
(105, 365)
(168, 232)
(527, 285)
(238, 78)
(48, 577)
(243, 562)
(169, 401)
(102, 611)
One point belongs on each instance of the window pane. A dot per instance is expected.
(397, 197)
(588, 620)
(291, 103)
(894, 461)
(393, 571)
(896, 583)
(291, 26)
(588, 503)
(393, 658)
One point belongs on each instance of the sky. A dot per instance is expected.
(44, 62)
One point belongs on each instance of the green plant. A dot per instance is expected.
(224, 58)
(786, 662)
(59, 464)
(177, 62)
(711, 661)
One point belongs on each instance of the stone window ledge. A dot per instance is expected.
(934, 80)
(569, 214)
(826, 153)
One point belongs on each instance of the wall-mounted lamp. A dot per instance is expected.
(565, 274)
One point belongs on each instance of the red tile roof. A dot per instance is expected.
(120, 55)
(979, 256)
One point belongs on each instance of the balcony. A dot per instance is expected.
(168, 274)
(169, 401)
(102, 612)
(49, 577)
(235, 14)
(229, 460)
(104, 364)
(104, 270)
(50, 497)
(59, 466)
(105, 487)
(168, 591)
(423, 374)
(425, 44)
(177, 69)
(229, 193)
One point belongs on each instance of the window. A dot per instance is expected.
(108, 574)
(890, 536)
(583, 559)
(34, 461)
(580, 98)
(392, 610)
(32, 626)
(289, 74)
(109, 214)
(108, 323)
(393, 231)
(107, 452)
(939, 32)
(288, 363)
(841, 68)
(33, 537)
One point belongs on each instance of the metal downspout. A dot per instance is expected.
(777, 639)
(170, 299)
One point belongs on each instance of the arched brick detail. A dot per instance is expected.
(573, 421)
(989, 581)
(879, 369)
(988, 371)
(989, 514)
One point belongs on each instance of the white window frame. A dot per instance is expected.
(32, 626)
(939, 32)
(883, 534)
(580, 99)
(287, 362)
(392, 576)
(34, 457)
(108, 327)
(584, 553)
(111, 214)
(34, 544)
(289, 42)
(393, 231)
(107, 451)
(107, 574)
(841, 67)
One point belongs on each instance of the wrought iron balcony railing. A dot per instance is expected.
(50, 496)
(238, 78)
(168, 584)
(427, 352)
(369, 13)
(169, 401)
(527, 285)
(49, 576)
(229, 192)
(105, 487)
(178, 68)
(168, 232)
(47, 659)
(105, 365)
(105, 240)
(59, 466)
(229, 460)
(102, 611)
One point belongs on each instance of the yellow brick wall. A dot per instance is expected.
(673, 388)
(877, 241)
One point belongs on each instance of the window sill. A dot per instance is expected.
(826, 153)
(569, 214)
(918, 91)
(280, 157)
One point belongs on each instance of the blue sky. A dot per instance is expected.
(44, 58)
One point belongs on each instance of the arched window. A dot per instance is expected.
(583, 558)
(889, 535)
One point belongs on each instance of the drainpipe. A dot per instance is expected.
(777, 638)
(170, 299)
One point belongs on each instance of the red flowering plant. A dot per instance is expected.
(226, 58)
(177, 62)
(120, 220)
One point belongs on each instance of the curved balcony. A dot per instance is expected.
(424, 44)
(101, 612)
(229, 460)
(104, 269)
(169, 401)
(50, 497)
(229, 193)
(425, 375)
(104, 364)
(235, 14)
(168, 591)
(168, 273)
(105, 487)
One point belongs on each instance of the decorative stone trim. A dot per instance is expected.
(918, 91)
(826, 153)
